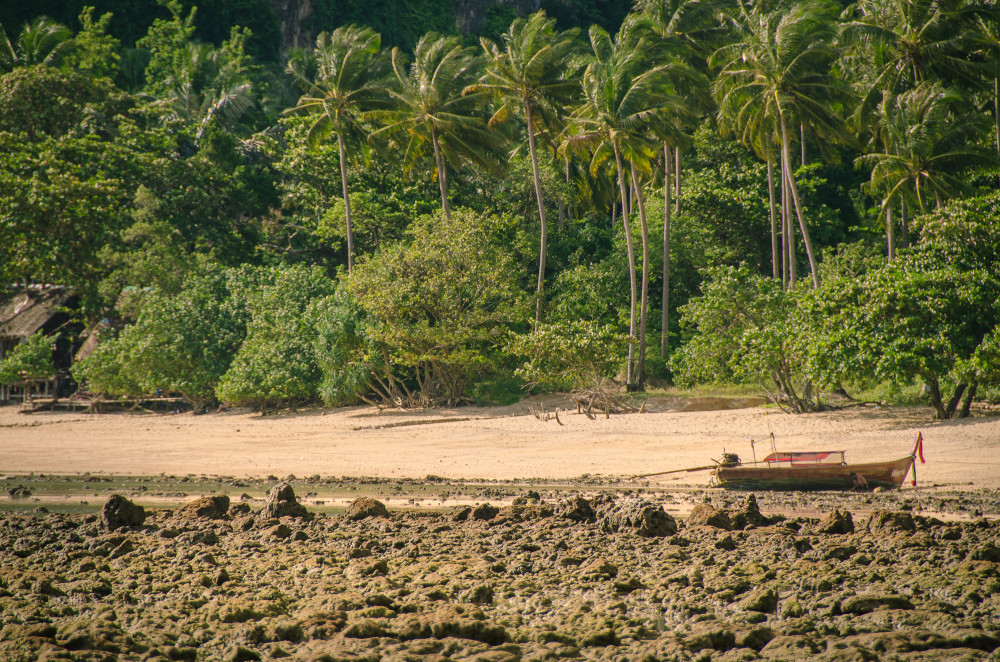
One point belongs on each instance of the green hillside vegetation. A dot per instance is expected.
(799, 197)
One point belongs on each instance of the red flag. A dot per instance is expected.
(920, 447)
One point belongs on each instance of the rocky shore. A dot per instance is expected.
(611, 575)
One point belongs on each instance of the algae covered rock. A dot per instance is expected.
(641, 517)
(863, 604)
(119, 512)
(281, 502)
(211, 507)
(836, 522)
(364, 507)
(882, 521)
(576, 509)
(484, 512)
(748, 515)
(705, 514)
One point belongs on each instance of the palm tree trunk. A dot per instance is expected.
(775, 268)
(920, 197)
(996, 113)
(890, 233)
(798, 206)
(630, 366)
(802, 142)
(569, 206)
(347, 202)
(665, 316)
(644, 302)
(787, 235)
(541, 216)
(677, 180)
(442, 175)
(904, 230)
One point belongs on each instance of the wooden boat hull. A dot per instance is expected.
(887, 475)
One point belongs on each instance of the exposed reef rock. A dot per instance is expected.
(609, 576)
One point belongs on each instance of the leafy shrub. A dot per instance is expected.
(581, 355)
(351, 361)
(108, 370)
(180, 343)
(743, 328)
(441, 305)
(30, 359)
(276, 364)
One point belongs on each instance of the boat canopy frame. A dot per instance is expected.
(797, 458)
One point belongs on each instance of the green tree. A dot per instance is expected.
(354, 365)
(182, 343)
(61, 201)
(908, 322)
(929, 317)
(622, 117)
(778, 75)
(42, 41)
(431, 109)
(744, 327)
(688, 30)
(107, 370)
(441, 305)
(343, 78)
(579, 355)
(30, 359)
(166, 41)
(210, 86)
(901, 43)
(529, 75)
(275, 364)
(926, 145)
(96, 51)
(40, 100)
(151, 254)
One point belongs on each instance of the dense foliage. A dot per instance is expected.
(786, 194)
(31, 359)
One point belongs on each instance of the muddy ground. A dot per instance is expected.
(234, 568)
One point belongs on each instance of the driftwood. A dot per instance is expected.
(607, 401)
(543, 415)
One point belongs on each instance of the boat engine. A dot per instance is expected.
(730, 460)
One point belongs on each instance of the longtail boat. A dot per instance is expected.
(815, 470)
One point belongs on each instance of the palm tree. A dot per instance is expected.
(778, 75)
(623, 118)
(900, 43)
(688, 30)
(529, 76)
(928, 142)
(42, 41)
(691, 30)
(989, 32)
(209, 85)
(344, 78)
(431, 109)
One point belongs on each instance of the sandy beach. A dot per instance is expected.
(490, 443)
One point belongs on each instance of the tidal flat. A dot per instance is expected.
(217, 568)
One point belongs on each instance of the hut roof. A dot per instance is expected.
(22, 313)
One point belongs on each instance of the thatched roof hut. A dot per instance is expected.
(27, 311)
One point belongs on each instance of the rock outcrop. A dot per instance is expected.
(281, 502)
(364, 507)
(119, 512)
